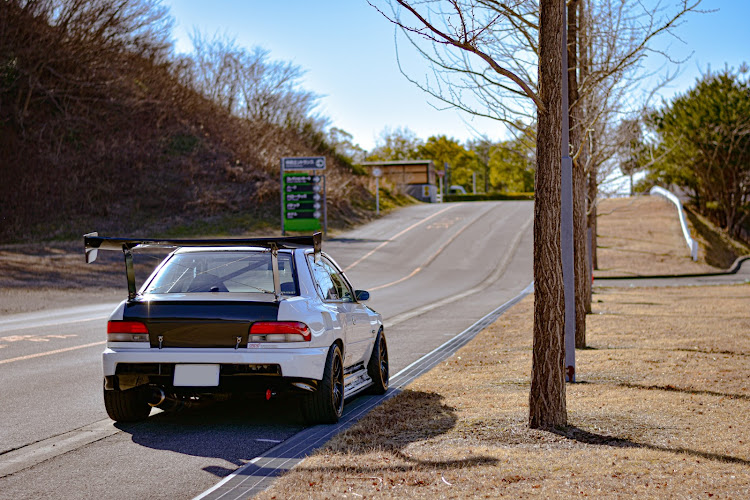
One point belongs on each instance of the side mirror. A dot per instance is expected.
(361, 295)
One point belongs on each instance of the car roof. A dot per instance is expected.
(227, 249)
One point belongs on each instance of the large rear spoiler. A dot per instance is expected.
(92, 243)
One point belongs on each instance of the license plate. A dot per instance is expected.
(196, 375)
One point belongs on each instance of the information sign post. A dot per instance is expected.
(441, 174)
(377, 172)
(303, 194)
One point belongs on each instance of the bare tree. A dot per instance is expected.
(547, 402)
(400, 143)
(248, 84)
(217, 69)
(484, 56)
(88, 45)
(463, 32)
(617, 38)
(579, 176)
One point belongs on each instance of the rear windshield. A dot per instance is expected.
(223, 271)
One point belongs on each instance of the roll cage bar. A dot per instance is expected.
(92, 243)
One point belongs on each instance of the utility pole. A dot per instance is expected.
(566, 220)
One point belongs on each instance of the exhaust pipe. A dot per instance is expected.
(304, 386)
(160, 399)
(158, 396)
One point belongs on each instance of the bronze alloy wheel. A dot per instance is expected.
(377, 368)
(326, 404)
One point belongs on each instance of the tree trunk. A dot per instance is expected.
(579, 178)
(547, 405)
(589, 271)
(584, 157)
(593, 192)
(580, 241)
(587, 153)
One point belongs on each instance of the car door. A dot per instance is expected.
(360, 335)
(338, 308)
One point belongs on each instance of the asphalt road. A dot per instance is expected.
(432, 271)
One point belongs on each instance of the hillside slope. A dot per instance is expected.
(642, 236)
(98, 132)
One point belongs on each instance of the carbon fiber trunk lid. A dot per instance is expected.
(200, 324)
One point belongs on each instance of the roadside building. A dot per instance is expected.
(416, 178)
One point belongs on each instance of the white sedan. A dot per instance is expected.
(252, 317)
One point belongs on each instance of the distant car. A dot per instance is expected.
(227, 318)
(455, 189)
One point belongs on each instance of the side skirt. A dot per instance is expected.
(356, 382)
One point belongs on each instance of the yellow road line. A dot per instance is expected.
(396, 236)
(397, 281)
(47, 353)
(431, 258)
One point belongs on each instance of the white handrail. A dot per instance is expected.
(691, 243)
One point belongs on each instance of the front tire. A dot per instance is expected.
(377, 367)
(326, 404)
(127, 406)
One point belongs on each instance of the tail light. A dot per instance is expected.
(279, 331)
(127, 331)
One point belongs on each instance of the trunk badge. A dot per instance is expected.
(237, 345)
(161, 339)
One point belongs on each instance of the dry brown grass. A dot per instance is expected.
(661, 411)
(642, 236)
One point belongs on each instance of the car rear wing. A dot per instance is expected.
(92, 243)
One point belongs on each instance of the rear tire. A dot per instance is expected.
(326, 404)
(127, 406)
(377, 368)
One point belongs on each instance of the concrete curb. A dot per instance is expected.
(736, 266)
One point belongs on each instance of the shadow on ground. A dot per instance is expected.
(412, 417)
(587, 437)
(233, 431)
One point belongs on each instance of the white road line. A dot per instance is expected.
(53, 316)
(529, 288)
(396, 236)
(492, 278)
(50, 323)
(434, 255)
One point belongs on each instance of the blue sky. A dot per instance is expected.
(347, 49)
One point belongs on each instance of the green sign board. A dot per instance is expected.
(303, 198)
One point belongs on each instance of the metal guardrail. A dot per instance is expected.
(691, 243)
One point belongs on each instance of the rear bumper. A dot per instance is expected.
(307, 362)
